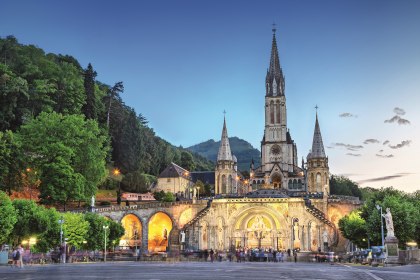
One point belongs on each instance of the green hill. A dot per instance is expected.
(243, 151)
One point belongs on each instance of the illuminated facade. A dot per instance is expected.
(286, 206)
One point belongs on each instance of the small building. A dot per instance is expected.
(138, 196)
(174, 179)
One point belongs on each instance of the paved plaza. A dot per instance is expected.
(200, 270)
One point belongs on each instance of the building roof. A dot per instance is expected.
(207, 177)
(175, 171)
(224, 149)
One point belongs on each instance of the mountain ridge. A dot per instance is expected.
(242, 149)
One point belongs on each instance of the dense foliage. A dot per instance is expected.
(22, 220)
(365, 223)
(39, 89)
(341, 185)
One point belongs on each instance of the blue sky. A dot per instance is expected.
(184, 62)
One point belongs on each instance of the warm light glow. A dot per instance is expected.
(132, 231)
(252, 174)
(186, 173)
(28, 169)
(116, 172)
(160, 225)
(411, 244)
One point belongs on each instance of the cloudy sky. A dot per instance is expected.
(184, 62)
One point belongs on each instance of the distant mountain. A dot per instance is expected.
(243, 151)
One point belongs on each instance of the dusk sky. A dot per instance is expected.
(184, 62)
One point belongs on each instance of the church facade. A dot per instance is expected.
(282, 206)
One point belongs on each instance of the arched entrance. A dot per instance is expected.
(276, 181)
(132, 232)
(160, 226)
(258, 227)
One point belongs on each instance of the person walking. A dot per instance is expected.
(211, 255)
(295, 255)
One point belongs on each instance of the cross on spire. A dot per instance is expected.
(224, 113)
(274, 27)
(316, 108)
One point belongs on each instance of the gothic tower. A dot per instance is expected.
(225, 181)
(278, 150)
(317, 164)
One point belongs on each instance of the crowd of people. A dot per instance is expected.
(248, 254)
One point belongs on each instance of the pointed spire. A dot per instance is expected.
(274, 78)
(274, 58)
(224, 149)
(317, 144)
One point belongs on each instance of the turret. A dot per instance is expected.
(318, 170)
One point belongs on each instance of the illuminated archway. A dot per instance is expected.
(132, 232)
(160, 226)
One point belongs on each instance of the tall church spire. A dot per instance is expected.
(224, 149)
(274, 78)
(317, 144)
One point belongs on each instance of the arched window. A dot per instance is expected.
(295, 186)
(224, 183)
(278, 112)
(300, 184)
(290, 184)
(272, 112)
(318, 182)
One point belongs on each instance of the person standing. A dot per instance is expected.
(20, 254)
(211, 255)
(295, 255)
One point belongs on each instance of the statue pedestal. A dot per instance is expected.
(391, 247)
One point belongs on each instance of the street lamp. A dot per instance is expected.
(382, 224)
(61, 222)
(116, 173)
(105, 228)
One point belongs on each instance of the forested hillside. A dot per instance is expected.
(34, 82)
(243, 151)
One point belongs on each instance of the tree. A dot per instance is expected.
(29, 220)
(49, 237)
(75, 229)
(353, 227)
(95, 233)
(116, 231)
(200, 186)
(11, 164)
(89, 108)
(114, 92)
(137, 182)
(8, 217)
(187, 161)
(69, 153)
(12, 90)
(341, 185)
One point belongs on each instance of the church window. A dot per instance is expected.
(274, 87)
(318, 182)
(290, 185)
(295, 184)
(272, 112)
(278, 112)
(224, 183)
(300, 184)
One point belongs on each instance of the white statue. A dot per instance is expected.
(182, 236)
(389, 223)
(92, 201)
(325, 236)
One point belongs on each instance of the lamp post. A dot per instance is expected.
(382, 224)
(61, 222)
(105, 228)
(117, 172)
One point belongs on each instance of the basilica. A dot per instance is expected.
(283, 205)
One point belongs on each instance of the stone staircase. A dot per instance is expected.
(199, 215)
(321, 216)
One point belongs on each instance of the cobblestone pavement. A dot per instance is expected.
(201, 270)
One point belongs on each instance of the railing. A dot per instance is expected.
(321, 216)
(199, 215)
